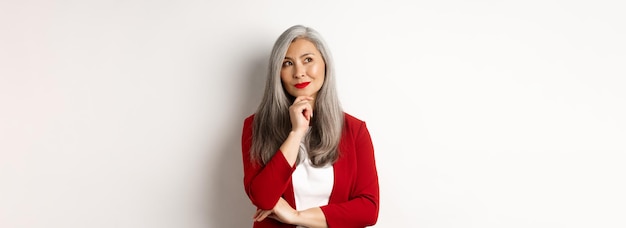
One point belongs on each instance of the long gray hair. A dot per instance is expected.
(272, 123)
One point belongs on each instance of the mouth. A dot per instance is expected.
(302, 85)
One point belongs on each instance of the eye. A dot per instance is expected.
(287, 63)
(308, 59)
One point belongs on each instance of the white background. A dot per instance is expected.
(483, 114)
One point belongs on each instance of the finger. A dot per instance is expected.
(302, 107)
(308, 111)
(263, 215)
(307, 114)
(256, 213)
(302, 98)
(302, 103)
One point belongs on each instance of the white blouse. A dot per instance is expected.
(311, 186)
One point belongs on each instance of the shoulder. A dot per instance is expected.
(248, 122)
(352, 123)
(249, 119)
(350, 119)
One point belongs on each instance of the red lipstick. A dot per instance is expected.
(302, 85)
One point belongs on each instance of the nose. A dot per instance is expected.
(299, 71)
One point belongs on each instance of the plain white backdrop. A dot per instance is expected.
(483, 113)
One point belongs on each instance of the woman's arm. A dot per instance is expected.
(291, 146)
(263, 184)
(300, 114)
(360, 211)
(312, 217)
(362, 208)
(283, 212)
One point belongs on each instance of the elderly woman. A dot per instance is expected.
(306, 162)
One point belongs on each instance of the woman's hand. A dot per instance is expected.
(261, 214)
(301, 112)
(282, 212)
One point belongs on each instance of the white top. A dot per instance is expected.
(311, 186)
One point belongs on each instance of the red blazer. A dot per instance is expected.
(354, 199)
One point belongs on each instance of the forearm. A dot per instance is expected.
(312, 217)
(291, 146)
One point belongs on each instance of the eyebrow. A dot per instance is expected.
(305, 54)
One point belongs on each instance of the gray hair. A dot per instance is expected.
(272, 123)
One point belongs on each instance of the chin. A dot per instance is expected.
(299, 93)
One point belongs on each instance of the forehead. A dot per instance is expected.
(301, 46)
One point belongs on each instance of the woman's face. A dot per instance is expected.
(303, 69)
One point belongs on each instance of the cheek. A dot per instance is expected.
(284, 76)
(317, 70)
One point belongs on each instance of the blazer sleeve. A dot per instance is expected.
(264, 184)
(362, 207)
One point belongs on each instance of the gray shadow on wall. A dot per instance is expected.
(230, 206)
